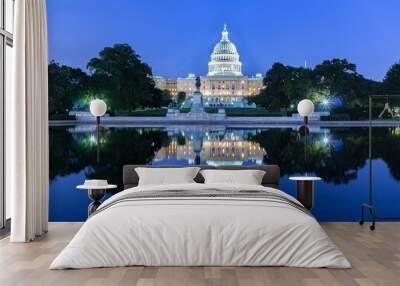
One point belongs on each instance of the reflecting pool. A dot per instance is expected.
(338, 155)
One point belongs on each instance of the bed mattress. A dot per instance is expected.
(201, 225)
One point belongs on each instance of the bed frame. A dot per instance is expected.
(271, 178)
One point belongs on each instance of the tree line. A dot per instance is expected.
(117, 75)
(124, 82)
(334, 84)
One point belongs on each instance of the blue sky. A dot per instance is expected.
(176, 37)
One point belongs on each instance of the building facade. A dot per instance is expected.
(166, 84)
(224, 85)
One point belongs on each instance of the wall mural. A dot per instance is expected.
(218, 94)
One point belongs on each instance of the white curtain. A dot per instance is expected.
(27, 124)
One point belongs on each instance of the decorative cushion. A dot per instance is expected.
(165, 176)
(248, 177)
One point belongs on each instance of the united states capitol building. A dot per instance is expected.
(224, 85)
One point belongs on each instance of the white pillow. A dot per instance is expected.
(166, 176)
(248, 177)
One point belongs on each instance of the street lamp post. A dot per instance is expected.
(98, 108)
(305, 109)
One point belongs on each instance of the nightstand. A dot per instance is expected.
(95, 193)
(305, 190)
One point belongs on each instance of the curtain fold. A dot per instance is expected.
(27, 123)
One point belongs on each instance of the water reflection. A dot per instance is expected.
(334, 154)
(210, 146)
(74, 149)
(338, 155)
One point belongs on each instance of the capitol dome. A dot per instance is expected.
(224, 58)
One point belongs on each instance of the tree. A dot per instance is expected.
(160, 98)
(336, 80)
(391, 82)
(120, 72)
(342, 80)
(181, 96)
(65, 86)
(273, 96)
(285, 85)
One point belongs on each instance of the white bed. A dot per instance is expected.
(185, 230)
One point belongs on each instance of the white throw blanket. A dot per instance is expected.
(200, 230)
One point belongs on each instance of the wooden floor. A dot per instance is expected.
(375, 257)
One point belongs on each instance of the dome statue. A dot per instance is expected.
(225, 58)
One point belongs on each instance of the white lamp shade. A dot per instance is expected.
(305, 107)
(98, 107)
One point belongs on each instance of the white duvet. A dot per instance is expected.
(200, 231)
